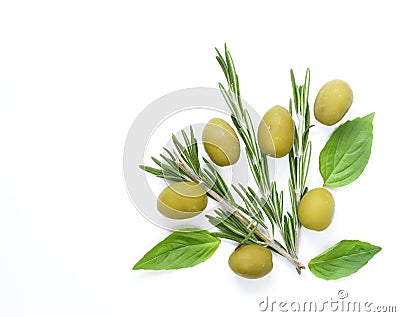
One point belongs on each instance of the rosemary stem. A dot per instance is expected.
(299, 180)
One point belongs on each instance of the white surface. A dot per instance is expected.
(73, 77)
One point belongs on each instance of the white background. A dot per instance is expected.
(73, 77)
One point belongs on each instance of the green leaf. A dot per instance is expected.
(343, 259)
(180, 249)
(347, 152)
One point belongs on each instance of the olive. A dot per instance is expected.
(182, 200)
(316, 209)
(221, 142)
(333, 101)
(251, 261)
(276, 132)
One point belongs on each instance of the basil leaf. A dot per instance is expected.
(347, 152)
(343, 259)
(179, 250)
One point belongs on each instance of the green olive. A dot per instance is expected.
(251, 261)
(316, 209)
(182, 200)
(333, 101)
(221, 142)
(276, 132)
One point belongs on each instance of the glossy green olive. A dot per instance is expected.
(251, 261)
(182, 200)
(333, 101)
(221, 142)
(316, 209)
(276, 132)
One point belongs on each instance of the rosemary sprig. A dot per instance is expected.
(271, 201)
(258, 163)
(241, 119)
(244, 224)
(300, 155)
